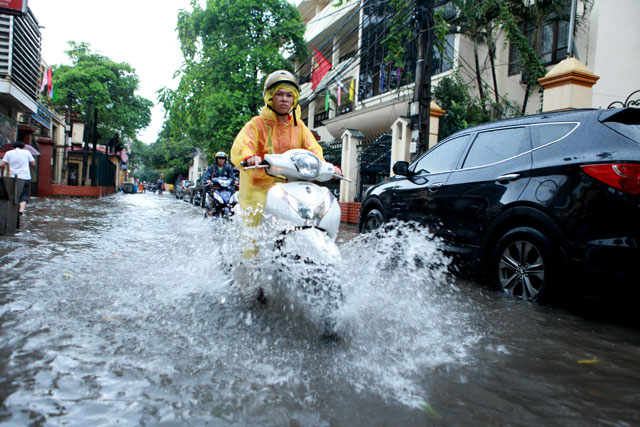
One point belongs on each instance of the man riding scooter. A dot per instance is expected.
(220, 169)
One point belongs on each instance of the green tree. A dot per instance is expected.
(464, 110)
(110, 86)
(228, 46)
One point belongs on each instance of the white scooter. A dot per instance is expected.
(309, 217)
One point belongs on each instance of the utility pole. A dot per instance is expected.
(85, 137)
(572, 24)
(94, 139)
(420, 110)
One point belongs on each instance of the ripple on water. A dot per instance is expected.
(145, 320)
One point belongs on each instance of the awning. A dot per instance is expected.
(369, 120)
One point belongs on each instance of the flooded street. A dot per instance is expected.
(130, 310)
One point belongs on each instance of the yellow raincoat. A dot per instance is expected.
(264, 134)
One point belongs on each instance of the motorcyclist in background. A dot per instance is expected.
(219, 168)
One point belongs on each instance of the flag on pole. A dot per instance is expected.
(352, 89)
(339, 93)
(44, 79)
(382, 67)
(50, 79)
(320, 68)
(326, 101)
(398, 74)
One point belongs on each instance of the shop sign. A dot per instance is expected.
(13, 7)
(42, 116)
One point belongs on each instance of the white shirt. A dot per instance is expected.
(18, 160)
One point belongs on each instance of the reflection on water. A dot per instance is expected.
(129, 310)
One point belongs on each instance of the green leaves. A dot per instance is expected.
(110, 87)
(228, 46)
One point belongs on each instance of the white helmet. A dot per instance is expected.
(280, 76)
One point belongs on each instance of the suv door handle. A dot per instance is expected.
(435, 186)
(508, 177)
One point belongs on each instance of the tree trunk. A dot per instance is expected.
(526, 98)
(478, 77)
(492, 60)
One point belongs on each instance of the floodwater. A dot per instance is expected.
(133, 310)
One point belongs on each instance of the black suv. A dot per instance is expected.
(528, 201)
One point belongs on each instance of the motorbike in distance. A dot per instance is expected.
(221, 197)
(308, 218)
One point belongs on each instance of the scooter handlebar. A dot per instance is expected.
(263, 165)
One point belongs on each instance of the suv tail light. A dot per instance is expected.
(623, 176)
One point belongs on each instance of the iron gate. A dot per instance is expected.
(374, 160)
(332, 153)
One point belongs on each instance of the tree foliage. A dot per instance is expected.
(228, 46)
(108, 85)
(463, 109)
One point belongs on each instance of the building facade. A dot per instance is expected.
(364, 93)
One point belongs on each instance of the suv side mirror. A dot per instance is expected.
(401, 168)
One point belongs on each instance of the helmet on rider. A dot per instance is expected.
(221, 154)
(281, 79)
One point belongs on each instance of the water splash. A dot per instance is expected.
(191, 343)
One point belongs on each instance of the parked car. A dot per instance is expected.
(193, 193)
(529, 201)
(180, 187)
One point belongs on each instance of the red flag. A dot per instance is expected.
(320, 67)
(50, 80)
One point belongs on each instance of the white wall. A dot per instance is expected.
(612, 51)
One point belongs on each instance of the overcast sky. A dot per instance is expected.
(140, 32)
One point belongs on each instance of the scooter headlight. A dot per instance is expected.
(218, 198)
(311, 213)
(308, 165)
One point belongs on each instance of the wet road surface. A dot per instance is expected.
(128, 310)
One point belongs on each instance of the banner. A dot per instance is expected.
(13, 7)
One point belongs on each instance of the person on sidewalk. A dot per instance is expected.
(19, 160)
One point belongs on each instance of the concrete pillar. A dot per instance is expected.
(400, 140)
(434, 123)
(311, 113)
(335, 57)
(45, 166)
(567, 86)
(77, 133)
(350, 139)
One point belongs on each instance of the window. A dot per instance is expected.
(378, 76)
(550, 48)
(319, 118)
(546, 133)
(495, 146)
(442, 157)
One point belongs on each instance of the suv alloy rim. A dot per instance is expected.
(521, 269)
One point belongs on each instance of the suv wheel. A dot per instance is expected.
(374, 219)
(523, 264)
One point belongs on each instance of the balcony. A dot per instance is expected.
(20, 42)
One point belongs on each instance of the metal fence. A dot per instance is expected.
(374, 161)
(102, 173)
(332, 153)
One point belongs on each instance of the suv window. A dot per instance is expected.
(442, 157)
(497, 145)
(549, 132)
